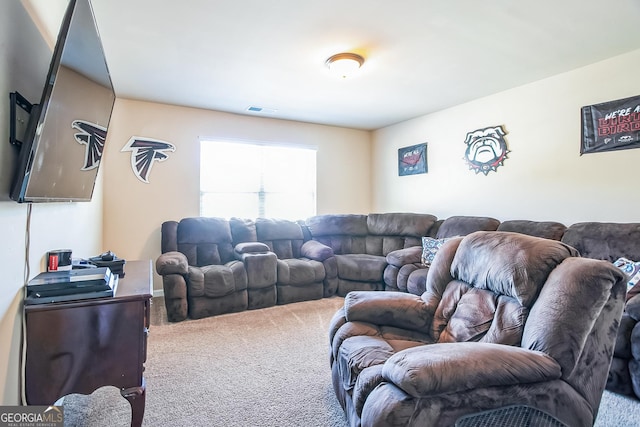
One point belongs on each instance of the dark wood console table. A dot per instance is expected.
(80, 346)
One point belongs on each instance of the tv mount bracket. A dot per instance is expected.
(19, 112)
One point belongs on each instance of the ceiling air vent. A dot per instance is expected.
(255, 109)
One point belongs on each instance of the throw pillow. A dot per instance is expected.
(430, 247)
(631, 269)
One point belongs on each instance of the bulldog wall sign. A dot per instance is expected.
(486, 149)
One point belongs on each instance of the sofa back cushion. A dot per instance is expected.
(545, 229)
(482, 286)
(169, 236)
(463, 225)
(388, 232)
(242, 230)
(511, 264)
(605, 240)
(205, 241)
(284, 238)
(400, 224)
(345, 234)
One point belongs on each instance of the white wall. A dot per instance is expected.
(544, 176)
(134, 211)
(24, 61)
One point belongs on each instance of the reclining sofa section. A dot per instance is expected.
(361, 243)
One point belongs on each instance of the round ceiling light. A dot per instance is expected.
(344, 64)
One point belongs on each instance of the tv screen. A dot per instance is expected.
(65, 137)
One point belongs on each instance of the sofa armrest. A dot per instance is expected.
(172, 263)
(261, 267)
(400, 257)
(388, 308)
(315, 250)
(250, 248)
(454, 367)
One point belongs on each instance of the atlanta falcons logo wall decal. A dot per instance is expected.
(93, 137)
(144, 153)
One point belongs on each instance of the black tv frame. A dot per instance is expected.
(37, 114)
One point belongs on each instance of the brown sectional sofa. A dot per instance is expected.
(211, 266)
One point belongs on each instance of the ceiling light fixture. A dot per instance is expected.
(344, 64)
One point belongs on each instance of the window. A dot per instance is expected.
(257, 180)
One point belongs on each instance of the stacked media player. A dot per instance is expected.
(58, 286)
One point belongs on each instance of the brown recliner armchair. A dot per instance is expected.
(506, 319)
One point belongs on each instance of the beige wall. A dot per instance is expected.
(544, 177)
(24, 61)
(134, 211)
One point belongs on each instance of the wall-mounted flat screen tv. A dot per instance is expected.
(64, 140)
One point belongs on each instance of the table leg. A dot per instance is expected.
(136, 397)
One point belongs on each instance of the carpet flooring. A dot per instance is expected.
(265, 367)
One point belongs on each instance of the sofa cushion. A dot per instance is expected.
(368, 379)
(510, 264)
(358, 353)
(463, 225)
(466, 313)
(361, 267)
(545, 229)
(205, 241)
(214, 281)
(278, 229)
(383, 245)
(283, 237)
(242, 230)
(605, 240)
(400, 224)
(169, 239)
(328, 225)
(342, 245)
(299, 272)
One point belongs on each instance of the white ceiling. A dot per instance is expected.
(421, 55)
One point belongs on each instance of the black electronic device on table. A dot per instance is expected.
(58, 286)
(109, 259)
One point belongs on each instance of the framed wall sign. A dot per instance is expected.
(412, 160)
